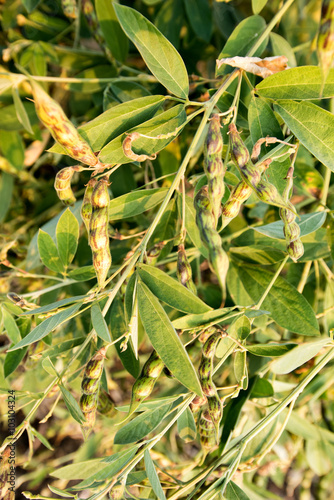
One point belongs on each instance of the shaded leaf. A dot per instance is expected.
(135, 203)
(270, 350)
(153, 476)
(297, 357)
(233, 491)
(99, 323)
(48, 252)
(186, 426)
(308, 223)
(72, 405)
(116, 41)
(67, 233)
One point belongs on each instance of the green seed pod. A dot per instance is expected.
(89, 385)
(215, 410)
(197, 403)
(205, 221)
(105, 404)
(268, 193)
(144, 384)
(183, 270)
(206, 430)
(62, 185)
(62, 130)
(239, 152)
(295, 250)
(70, 8)
(153, 254)
(325, 41)
(291, 231)
(214, 166)
(210, 345)
(98, 231)
(240, 193)
(153, 366)
(86, 207)
(90, 15)
(206, 334)
(90, 389)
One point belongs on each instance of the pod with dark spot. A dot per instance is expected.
(183, 270)
(86, 207)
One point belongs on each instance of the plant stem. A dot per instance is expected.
(304, 276)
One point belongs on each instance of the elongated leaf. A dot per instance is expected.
(6, 191)
(191, 226)
(170, 20)
(21, 113)
(142, 425)
(170, 291)
(47, 326)
(158, 53)
(153, 476)
(84, 273)
(72, 405)
(116, 121)
(80, 470)
(313, 126)
(286, 305)
(118, 461)
(200, 18)
(308, 223)
(270, 350)
(165, 339)
(186, 426)
(264, 255)
(53, 305)
(297, 83)
(242, 39)
(163, 124)
(318, 456)
(99, 323)
(118, 328)
(117, 42)
(149, 404)
(262, 121)
(10, 325)
(297, 357)
(193, 320)
(135, 203)
(233, 491)
(281, 47)
(67, 233)
(49, 253)
(262, 389)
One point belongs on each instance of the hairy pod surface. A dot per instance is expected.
(88, 402)
(98, 230)
(183, 270)
(105, 404)
(239, 152)
(153, 366)
(295, 250)
(197, 403)
(291, 231)
(86, 207)
(89, 385)
(240, 193)
(62, 185)
(61, 128)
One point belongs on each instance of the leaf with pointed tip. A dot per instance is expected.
(99, 323)
(67, 233)
(165, 339)
(48, 252)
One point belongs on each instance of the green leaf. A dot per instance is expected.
(21, 113)
(193, 320)
(101, 71)
(49, 367)
(317, 455)
(281, 47)
(287, 306)
(12, 148)
(297, 357)
(165, 339)
(160, 56)
(42, 439)
(262, 389)
(170, 20)
(258, 254)
(262, 121)
(170, 291)
(200, 17)
(163, 124)
(300, 426)
(47, 326)
(84, 273)
(117, 462)
(10, 325)
(312, 125)
(72, 405)
(80, 470)
(233, 491)
(118, 328)
(30, 5)
(67, 233)
(186, 426)
(165, 229)
(99, 323)
(303, 83)
(6, 191)
(149, 404)
(191, 226)
(240, 368)
(308, 223)
(141, 425)
(153, 476)
(54, 305)
(116, 41)
(240, 328)
(135, 203)
(117, 120)
(242, 39)
(270, 350)
(48, 252)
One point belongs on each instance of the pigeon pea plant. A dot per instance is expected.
(168, 333)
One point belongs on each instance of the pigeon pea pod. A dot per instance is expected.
(90, 389)
(98, 231)
(238, 196)
(144, 384)
(105, 404)
(61, 128)
(183, 270)
(62, 185)
(86, 207)
(214, 166)
(206, 224)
